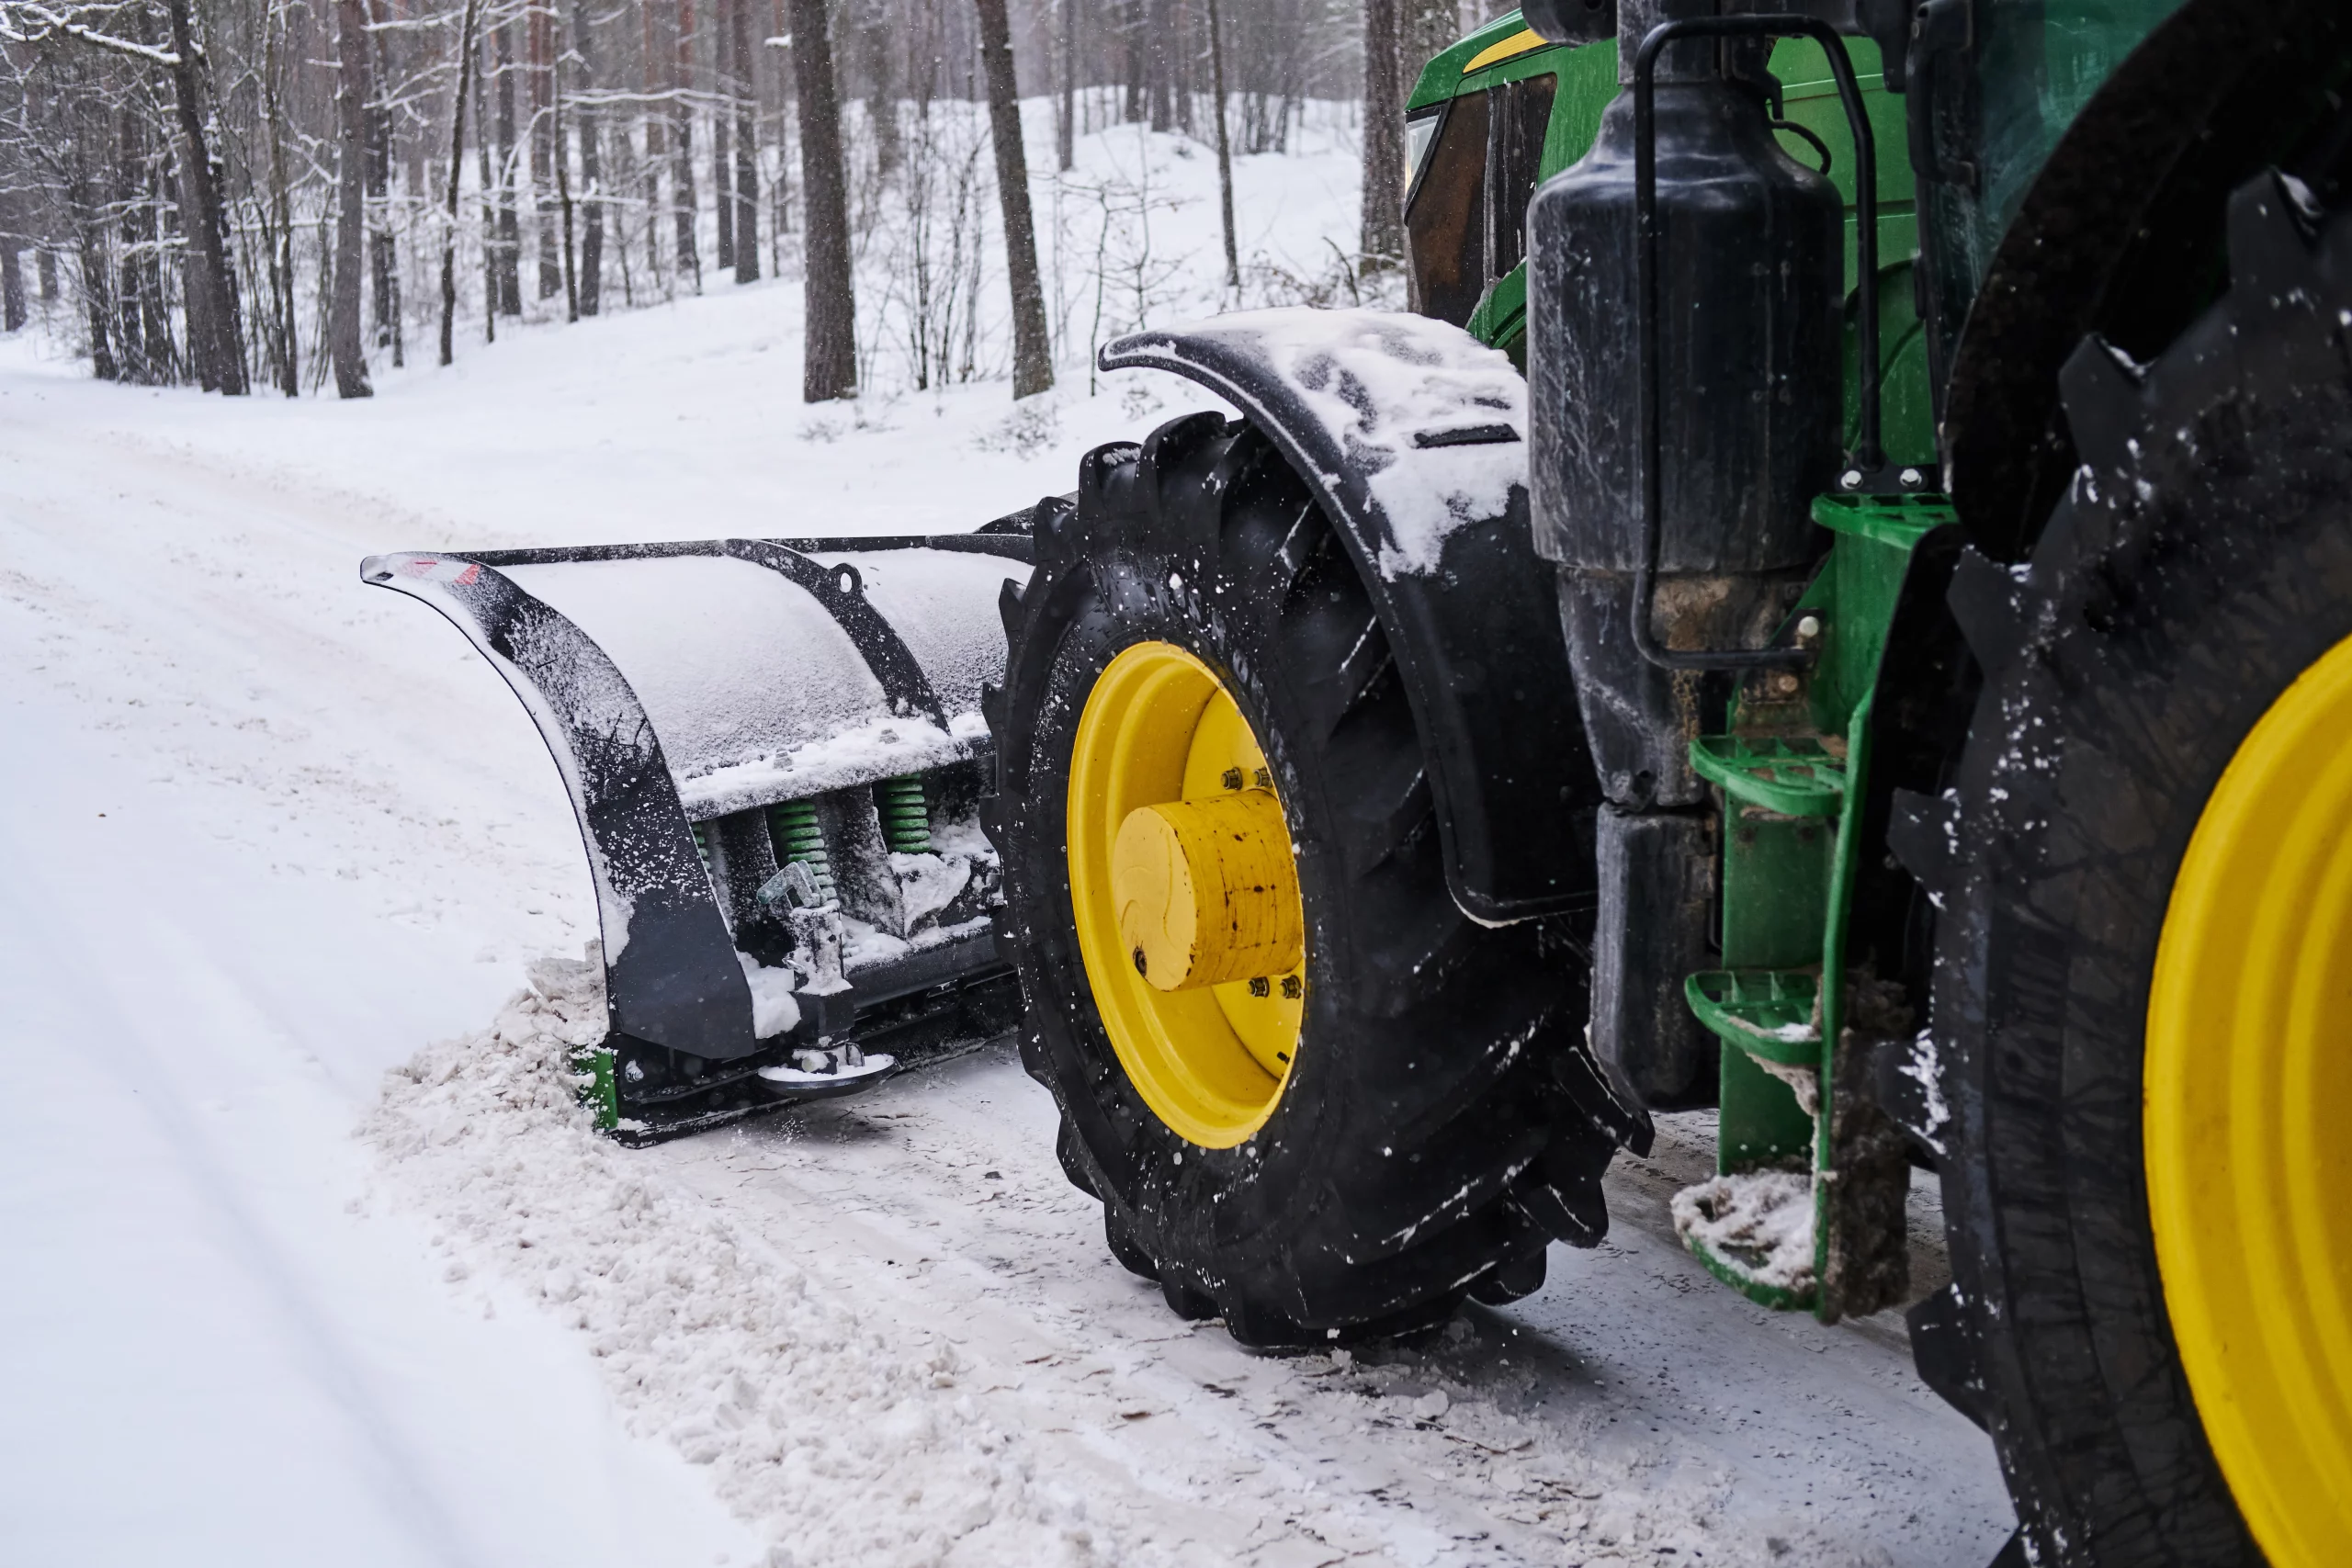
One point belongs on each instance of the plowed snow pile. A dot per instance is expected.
(815, 1428)
(994, 1393)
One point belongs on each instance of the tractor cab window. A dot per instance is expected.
(1474, 165)
(1445, 215)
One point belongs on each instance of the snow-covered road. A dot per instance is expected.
(267, 834)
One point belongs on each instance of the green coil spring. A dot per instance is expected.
(793, 830)
(906, 818)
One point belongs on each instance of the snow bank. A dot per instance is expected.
(1761, 1221)
(842, 1446)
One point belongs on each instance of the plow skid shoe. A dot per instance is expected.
(774, 752)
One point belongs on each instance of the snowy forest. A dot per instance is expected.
(293, 194)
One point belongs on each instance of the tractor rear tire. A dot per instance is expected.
(1421, 1146)
(2200, 570)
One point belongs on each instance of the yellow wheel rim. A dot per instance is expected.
(1184, 884)
(2249, 1094)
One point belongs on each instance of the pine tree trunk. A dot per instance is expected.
(877, 42)
(830, 366)
(218, 349)
(45, 268)
(1032, 355)
(1383, 238)
(1224, 147)
(466, 26)
(353, 95)
(740, 86)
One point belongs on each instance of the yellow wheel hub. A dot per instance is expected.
(2249, 1098)
(1185, 887)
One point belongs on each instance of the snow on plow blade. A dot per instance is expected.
(776, 753)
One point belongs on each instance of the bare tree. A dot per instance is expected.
(352, 93)
(1032, 354)
(216, 337)
(588, 124)
(1224, 148)
(747, 144)
(830, 369)
(466, 50)
(681, 148)
(1383, 239)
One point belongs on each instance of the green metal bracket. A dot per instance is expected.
(1799, 777)
(1771, 1014)
(1788, 769)
(598, 1088)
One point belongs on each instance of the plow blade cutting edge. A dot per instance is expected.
(775, 753)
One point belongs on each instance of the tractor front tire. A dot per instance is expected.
(1420, 1146)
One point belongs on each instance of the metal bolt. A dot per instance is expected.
(1785, 684)
(1808, 628)
(1232, 778)
(1143, 966)
(1912, 479)
(1260, 986)
(1850, 480)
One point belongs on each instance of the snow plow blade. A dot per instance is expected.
(775, 754)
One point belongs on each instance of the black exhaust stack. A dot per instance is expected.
(1686, 403)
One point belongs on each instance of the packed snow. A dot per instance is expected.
(286, 864)
(1760, 1222)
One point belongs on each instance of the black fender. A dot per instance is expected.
(1376, 410)
(2122, 234)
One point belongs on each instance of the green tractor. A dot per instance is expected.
(1836, 606)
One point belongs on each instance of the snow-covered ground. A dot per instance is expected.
(267, 836)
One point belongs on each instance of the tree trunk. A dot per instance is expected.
(878, 42)
(682, 150)
(722, 133)
(563, 182)
(383, 262)
(490, 269)
(45, 268)
(741, 88)
(218, 349)
(1032, 354)
(592, 168)
(12, 313)
(1065, 129)
(466, 26)
(510, 223)
(1383, 238)
(1224, 147)
(353, 95)
(547, 144)
(286, 347)
(830, 369)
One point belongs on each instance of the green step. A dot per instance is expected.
(1794, 777)
(1771, 1014)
